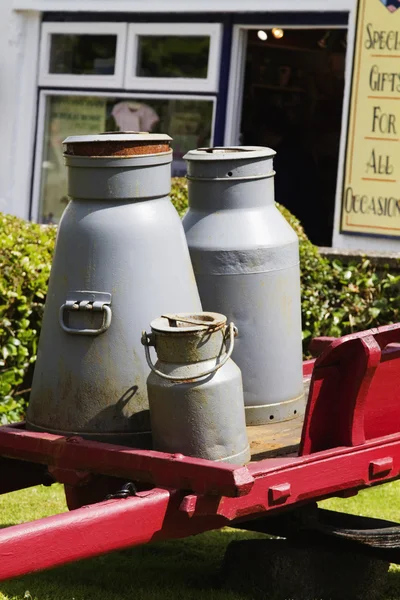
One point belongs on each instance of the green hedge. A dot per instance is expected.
(25, 257)
(336, 299)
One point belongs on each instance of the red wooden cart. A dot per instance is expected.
(120, 497)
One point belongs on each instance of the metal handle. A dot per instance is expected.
(86, 305)
(147, 343)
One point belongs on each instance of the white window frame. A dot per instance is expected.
(37, 170)
(88, 81)
(181, 84)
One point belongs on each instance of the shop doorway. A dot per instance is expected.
(292, 102)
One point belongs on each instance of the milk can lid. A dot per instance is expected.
(117, 143)
(118, 136)
(188, 322)
(230, 153)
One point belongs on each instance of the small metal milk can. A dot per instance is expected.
(195, 389)
(246, 260)
(121, 258)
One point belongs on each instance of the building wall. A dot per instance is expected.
(10, 47)
(185, 6)
(19, 36)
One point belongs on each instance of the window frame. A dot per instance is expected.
(39, 144)
(67, 80)
(179, 84)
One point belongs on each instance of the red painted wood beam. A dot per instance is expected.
(318, 345)
(82, 533)
(284, 482)
(157, 468)
(308, 367)
(162, 514)
(347, 384)
(97, 529)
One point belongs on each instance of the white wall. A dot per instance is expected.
(9, 44)
(19, 38)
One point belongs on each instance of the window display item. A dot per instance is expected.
(134, 116)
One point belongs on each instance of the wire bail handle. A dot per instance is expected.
(148, 340)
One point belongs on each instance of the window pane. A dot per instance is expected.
(188, 122)
(82, 54)
(173, 56)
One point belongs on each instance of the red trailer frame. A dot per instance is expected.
(350, 440)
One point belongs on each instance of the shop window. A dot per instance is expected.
(165, 64)
(189, 121)
(173, 57)
(82, 54)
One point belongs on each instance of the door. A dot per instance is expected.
(291, 100)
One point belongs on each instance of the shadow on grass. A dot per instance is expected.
(392, 591)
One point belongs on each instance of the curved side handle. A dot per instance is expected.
(85, 306)
(146, 341)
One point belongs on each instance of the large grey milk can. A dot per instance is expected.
(121, 258)
(246, 260)
(195, 389)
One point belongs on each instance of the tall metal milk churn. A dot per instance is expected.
(121, 259)
(195, 389)
(246, 260)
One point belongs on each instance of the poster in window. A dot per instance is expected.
(66, 115)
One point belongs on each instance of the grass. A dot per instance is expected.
(184, 569)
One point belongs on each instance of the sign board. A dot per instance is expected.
(371, 190)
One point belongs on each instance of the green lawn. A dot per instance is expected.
(183, 569)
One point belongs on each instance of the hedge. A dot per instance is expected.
(336, 299)
(25, 258)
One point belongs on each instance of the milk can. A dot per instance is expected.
(195, 389)
(246, 260)
(121, 258)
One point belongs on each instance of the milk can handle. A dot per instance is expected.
(146, 343)
(104, 326)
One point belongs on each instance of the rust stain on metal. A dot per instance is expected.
(115, 148)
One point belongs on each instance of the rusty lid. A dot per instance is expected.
(117, 143)
(188, 322)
